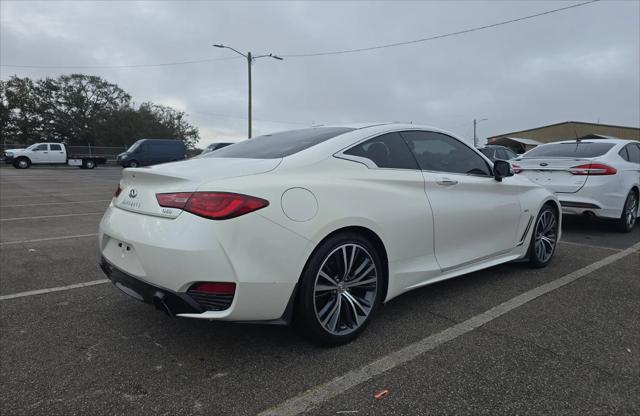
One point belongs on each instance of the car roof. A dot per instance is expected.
(608, 139)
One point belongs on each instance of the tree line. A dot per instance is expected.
(84, 110)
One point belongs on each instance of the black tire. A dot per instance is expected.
(89, 164)
(541, 230)
(313, 295)
(133, 164)
(629, 216)
(22, 163)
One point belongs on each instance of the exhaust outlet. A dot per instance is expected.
(160, 304)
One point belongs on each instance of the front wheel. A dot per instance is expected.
(544, 238)
(133, 164)
(629, 213)
(22, 163)
(341, 288)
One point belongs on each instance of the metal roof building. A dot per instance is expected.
(569, 130)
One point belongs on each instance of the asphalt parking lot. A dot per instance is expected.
(507, 340)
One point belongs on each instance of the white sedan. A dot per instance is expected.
(319, 226)
(599, 177)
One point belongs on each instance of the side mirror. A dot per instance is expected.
(501, 169)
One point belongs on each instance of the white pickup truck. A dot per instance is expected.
(51, 154)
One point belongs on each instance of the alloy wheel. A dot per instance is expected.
(546, 236)
(345, 289)
(631, 211)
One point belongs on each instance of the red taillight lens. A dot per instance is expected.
(516, 168)
(117, 192)
(212, 205)
(178, 200)
(215, 288)
(593, 169)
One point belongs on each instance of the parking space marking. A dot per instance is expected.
(589, 245)
(38, 240)
(53, 289)
(54, 195)
(323, 392)
(50, 216)
(55, 203)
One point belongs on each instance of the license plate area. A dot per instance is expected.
(123, 255)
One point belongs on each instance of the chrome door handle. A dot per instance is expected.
(446, 182)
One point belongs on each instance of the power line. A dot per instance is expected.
(313, 54)
(460, 32)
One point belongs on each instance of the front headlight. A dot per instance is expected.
(8, 154)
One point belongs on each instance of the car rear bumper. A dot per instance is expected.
(154, 254)
(170, 302)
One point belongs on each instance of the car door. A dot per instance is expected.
(56, 154)
(40, 154)
(475, 216)
(404, 215)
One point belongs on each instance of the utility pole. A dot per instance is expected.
(250, 58)
(475, 136)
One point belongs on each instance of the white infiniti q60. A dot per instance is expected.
(319, 226)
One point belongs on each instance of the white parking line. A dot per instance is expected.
(4, 198)
(571, 243)
(54, 203)
(38, 240)
(50, 216)
(53, 289)
(319, 394)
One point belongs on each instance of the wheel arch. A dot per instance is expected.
(369, 235)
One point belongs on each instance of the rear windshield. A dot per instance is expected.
(277, 145)
(574, 149)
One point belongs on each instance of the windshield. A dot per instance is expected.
(573, 149)
(277, 145)
(133, 147)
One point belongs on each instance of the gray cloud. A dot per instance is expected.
(581, 64)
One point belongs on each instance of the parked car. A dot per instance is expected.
(50, 154)
(319, 225)
(145, 152)
(496, 152)
(214, 146)
(598, 177)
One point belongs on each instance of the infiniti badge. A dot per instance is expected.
(133, 193)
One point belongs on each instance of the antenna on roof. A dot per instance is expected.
(578, 139)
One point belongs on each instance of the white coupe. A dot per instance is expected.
(319, 226)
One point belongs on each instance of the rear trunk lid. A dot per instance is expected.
(553, 173)
(140, 186)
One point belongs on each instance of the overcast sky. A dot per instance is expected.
(580, 64)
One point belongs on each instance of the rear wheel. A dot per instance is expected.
(22, 163)
(629, 215)
(544, 238)
(133, 164)
(89, 164)
(341, 288)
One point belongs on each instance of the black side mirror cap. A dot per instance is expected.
(502, 169)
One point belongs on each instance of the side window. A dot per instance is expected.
(634, 152)
(511, 154)
(502, 154)
(441, 153)
(624, 154)
(41, 147)
(386, 151)
(55, 147)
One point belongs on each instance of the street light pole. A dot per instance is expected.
(250, 58)
(475, 136)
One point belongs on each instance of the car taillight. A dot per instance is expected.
(593, 169)
(212, 205)
(516, 168)
(117, 192)
(217, 288)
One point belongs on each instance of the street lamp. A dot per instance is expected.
(250, 58)
(475, 137)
